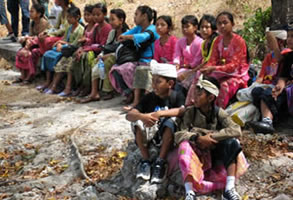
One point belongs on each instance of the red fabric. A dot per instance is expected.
(101, 38)
(231, 67)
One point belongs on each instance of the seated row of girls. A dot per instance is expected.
(95, 34)
(44, 38)
(226, 59)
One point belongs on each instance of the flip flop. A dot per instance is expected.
(89, 99)
(40, 87)
(49, 91)
(18, 80)
(26, 82)
(63, 94)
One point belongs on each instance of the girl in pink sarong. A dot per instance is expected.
(27, 57)
(188, 50)
(228, 62)
(208, 28)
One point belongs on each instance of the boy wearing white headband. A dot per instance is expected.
(154, 111)
(210, 157)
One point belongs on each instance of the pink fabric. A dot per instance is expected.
(188, 55)
(197, 164)
(126, 70)
(89, 35)
(29, 61)
(47, 43)
(231, 67)
(101, 37)
(165, 53)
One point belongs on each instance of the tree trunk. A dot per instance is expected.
(282, 14)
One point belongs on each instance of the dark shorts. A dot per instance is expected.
(226, 152)
(276, 106)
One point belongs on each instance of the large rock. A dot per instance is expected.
(282, 13)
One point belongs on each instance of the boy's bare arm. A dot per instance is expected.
(146, 118)
(274, 45)
(174, 112)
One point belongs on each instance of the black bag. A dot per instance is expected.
(68, 51)
(128, 52)
(110, 48)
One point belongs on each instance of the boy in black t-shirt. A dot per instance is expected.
(154, 112)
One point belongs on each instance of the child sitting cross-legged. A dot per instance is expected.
(209, 156)
(155, 110)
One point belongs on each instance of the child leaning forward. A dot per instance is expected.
(155, 111)
(210, 157)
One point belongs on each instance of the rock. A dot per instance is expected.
(282, 197)
(106, 196)
(89, 193)
(150, 191)
(290, 145)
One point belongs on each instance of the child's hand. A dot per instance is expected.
(81, 40)
(156, 114)
(276, 91)
(122, 38)
(206, 142)
(177, 66)
(58, 47)
(207, 70)
(149, 120)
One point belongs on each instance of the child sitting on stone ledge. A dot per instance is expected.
(154, 112)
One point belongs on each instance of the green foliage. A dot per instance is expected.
(254, 32)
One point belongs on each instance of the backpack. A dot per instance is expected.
(128, 52)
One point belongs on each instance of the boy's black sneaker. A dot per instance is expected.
(231, 195)
(144, 170)
(159, 172)
(261, 127)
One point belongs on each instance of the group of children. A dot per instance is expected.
(175, 91)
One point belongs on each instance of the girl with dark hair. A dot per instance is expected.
(49, 37)
(27, 57)
(82, 57)
(208, 28)
(119, 26)
(188, 51)
(165, 46)
(52, 57)
(125, 77)
(228, 62)
(101, 33)
(209, 156)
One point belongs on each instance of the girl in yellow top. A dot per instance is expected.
(208, 28)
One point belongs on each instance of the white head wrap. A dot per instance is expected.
(208, 86)
(280, 34)
(163, 69)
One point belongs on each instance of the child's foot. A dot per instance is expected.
(90, 99)
(231, 194)
(18, 80)
(144, 170)
(108, 96)
(159, 172)
(190, 196)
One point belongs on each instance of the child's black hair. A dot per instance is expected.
(168, 20)
(169, 79)
(74, 12)
(88, 8)
(40, 9)
(189, 19)
(67, 3)
(212, 20)
(102, 6)
(151, 14)
(121, 15)
(228, 14)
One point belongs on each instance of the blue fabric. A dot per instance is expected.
(13, 8)
(50, 59)
(3, 16)
(139, 37)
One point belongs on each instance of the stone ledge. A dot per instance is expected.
(8, 50)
